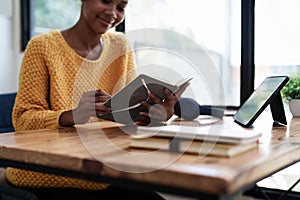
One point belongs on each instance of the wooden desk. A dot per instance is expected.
(99, 151)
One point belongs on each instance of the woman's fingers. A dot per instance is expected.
(95, 96)
(101, 96)
(155, 112)
(101, 109)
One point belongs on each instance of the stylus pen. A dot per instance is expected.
(128, 108)
(148, 100)
(145, 85)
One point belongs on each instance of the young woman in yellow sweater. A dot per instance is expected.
(67, 75)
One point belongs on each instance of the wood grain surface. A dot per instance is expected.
(103, 149)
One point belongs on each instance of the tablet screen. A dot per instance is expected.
(259, 100)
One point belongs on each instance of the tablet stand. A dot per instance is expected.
(277, 110)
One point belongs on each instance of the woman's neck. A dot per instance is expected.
(86, 43)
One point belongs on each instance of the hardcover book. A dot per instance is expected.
(125, 105)
(214, 133)
(191, 146)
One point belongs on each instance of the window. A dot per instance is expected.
(40, 16)
(204, 42)
(277, 42)
(49, 15)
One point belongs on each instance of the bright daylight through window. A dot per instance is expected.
(213, 25)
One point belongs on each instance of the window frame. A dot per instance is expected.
(26, 22)
(247, 50)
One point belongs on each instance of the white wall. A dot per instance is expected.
(10, 54)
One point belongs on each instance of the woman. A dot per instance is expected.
(65, 78)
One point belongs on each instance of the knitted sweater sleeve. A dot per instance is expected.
(32, 110)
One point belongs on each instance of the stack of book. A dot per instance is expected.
(202, 140)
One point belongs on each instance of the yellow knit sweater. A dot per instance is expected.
(53, 77)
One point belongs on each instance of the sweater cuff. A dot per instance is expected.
(53, 119)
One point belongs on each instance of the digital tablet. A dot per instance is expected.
(267, 91)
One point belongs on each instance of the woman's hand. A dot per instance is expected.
(160, 111)
(91, 104)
